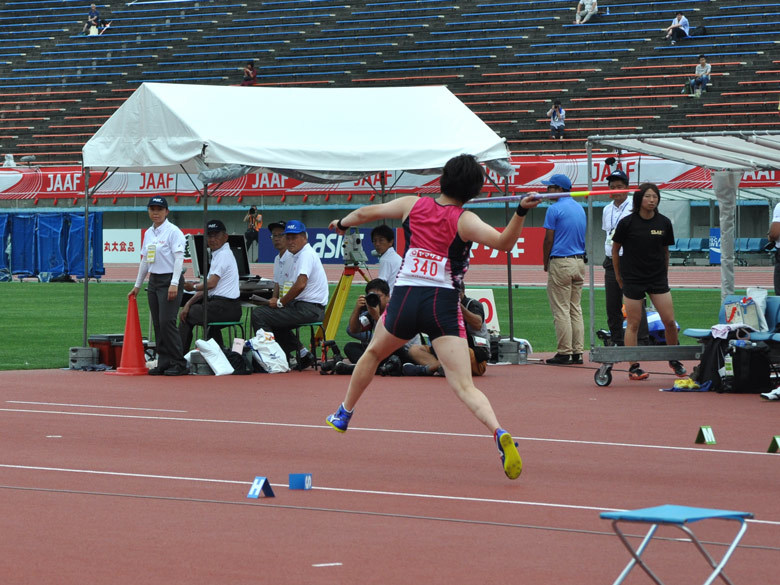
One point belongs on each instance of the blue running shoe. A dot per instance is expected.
(340, 420)
(507, 448)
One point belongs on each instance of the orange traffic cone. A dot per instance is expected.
(133, 362)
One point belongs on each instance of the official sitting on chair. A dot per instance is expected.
(302, 298)
(224, 303)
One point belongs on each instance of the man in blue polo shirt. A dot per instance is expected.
(564, 263)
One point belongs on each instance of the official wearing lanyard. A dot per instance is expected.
(163, 256)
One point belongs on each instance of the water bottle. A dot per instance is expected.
(741, 343)
(728, 366)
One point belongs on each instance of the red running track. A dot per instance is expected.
(127, 480)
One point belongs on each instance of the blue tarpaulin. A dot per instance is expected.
(48, 245)
(74, 253)
(23, 244)
(51, 244)
(4, 240)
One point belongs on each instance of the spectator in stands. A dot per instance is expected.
(93, 19)
(557, 120)
(250, 74)
(423, 357)
(302, 298)
(586, 9)
(679, 28)
(699, 83)
(224, 303)
(563, 252)
(383, 239)
(620, 207)
(643, 268)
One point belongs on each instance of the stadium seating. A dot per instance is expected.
(506, 60)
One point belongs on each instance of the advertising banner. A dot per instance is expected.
(67, 183)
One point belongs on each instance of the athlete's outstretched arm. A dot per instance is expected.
(472, 228)
(395, 209)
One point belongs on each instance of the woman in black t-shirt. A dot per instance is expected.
(645, 237)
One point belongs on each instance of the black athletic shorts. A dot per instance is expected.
(637, 290)
(431, 310)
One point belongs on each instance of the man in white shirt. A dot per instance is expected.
(223, 302)
(383, 239)
(585, 10)
(679, 29)
(620, 207)
(302, 297)
(774, 236)
(280, 244)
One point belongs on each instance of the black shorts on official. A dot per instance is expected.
(431, 310)
(637, 291)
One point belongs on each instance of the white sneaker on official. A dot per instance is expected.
(773, 395)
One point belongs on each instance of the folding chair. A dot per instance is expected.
(679, 516)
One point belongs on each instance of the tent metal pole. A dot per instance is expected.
(507, 216)
(591, 254)
(203, 271)
(86, 254)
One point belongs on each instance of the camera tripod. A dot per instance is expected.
(354, 262)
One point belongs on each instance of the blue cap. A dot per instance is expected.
(619, 175)
(294, 227)
(159, 201)
(561, 181)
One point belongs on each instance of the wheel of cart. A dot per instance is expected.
(603, 375)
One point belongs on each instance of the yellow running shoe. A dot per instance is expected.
(507, 448)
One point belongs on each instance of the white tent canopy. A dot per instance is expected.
(717, 151)
(317, 134)
(325, 134)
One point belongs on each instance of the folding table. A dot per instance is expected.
(679, 516)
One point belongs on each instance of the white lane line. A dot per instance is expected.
(401, 431)
(92, 406)
(342, 490)
(327, 565)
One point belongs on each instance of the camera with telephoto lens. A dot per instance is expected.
(391, 367)
(372, 299)
(329, 366)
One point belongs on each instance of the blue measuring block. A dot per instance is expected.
(300, 481)
(260, 484)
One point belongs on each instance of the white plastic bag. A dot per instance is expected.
(759, 295)
(215, 357)
(268, 353)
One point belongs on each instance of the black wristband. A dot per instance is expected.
(341, 226)
(521, 211)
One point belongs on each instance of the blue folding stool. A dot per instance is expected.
(679, 516)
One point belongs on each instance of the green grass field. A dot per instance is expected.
(40, 322)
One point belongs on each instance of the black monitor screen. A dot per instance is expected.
(237, 245)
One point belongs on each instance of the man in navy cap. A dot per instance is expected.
(564, 263)
(224, 303)
(301, 298)
(621, 206)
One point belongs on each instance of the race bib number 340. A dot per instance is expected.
(426, 266)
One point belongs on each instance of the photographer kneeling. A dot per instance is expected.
(367, 312)
(423, 358)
